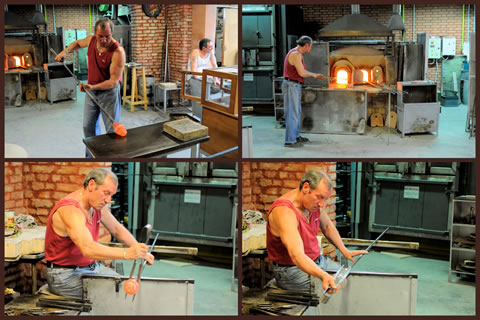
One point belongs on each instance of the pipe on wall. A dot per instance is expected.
(355, 9)
(413, 24)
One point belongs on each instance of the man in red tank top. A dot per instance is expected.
(73, 226)
(106, 61)
(294, 74)
(292, 225)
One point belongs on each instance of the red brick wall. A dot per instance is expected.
(34, 187)
(14, 187)
(148, 37)
(263, 182)
(437, 20)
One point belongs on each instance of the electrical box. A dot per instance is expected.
(449, 46)
(434, 45)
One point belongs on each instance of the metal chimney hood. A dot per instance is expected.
(354, 25)
(396, 21)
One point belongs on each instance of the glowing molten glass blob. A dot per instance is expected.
(342, 77)
(131, 286)
(365, 75)
(17, 61)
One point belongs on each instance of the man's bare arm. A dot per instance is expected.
(193, 61)
(75, 45)
(331, 233)
(74, 221)
(116, 228)
(295, 59)
(120, 232)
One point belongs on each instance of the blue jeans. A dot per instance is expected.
(110, 101)
(68, 282)
(292, 95)
(293, 278)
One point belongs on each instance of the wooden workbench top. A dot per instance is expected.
(29, 241)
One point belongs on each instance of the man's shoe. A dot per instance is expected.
(302, 139)
(293, 145)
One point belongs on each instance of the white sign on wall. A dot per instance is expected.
(411, 192)
(248, 77)
(192, 196)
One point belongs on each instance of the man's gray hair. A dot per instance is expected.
(303, 40)
(314, 177)
(98, 175)
(103, 22)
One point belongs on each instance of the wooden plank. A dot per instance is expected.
(382, 243)
(191, 251)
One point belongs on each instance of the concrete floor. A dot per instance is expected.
(435, 295)
(451, 142)
(212, 295)
(55, 130)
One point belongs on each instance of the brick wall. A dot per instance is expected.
(14, 187)
(263, 182)
(437, 20)
(148, 34)
(34, 187)
(148, 37)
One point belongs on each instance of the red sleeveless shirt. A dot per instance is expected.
(289, 70)
(62, 250)
(99, 65)
(308, 232)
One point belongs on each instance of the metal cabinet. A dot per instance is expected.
(462, 239)
(417, 108)
(59, 83)
(258, 52)
(412, 204)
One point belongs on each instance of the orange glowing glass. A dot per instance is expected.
(342, 77)
(365, 75)
(17, 61)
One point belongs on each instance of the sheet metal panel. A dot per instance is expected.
(317, 61)
(418, 117)
(366, 293)
(333, 111)
(156, 296)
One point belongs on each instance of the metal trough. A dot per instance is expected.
(156, 296)
(369, 293)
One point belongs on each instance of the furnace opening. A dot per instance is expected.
(342, 77)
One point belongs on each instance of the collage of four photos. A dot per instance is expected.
(239, 159)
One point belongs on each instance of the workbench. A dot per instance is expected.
(145, 141)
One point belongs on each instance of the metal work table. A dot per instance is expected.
(145, 141)
(165, 91)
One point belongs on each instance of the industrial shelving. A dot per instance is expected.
(462, 237)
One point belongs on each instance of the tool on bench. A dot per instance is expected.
(118, 127)
(343, 273)
(132, 285)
